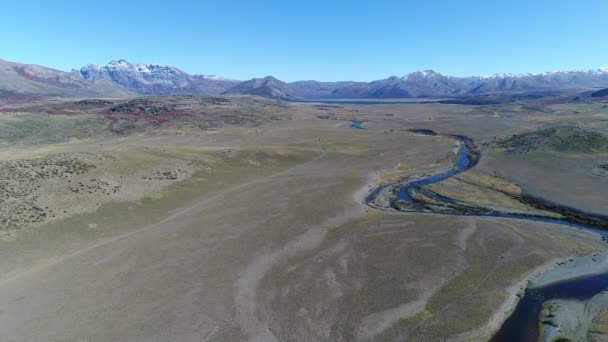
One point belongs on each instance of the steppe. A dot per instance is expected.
(241, 218)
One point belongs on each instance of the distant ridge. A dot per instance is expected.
(154, 79)
(433, 84)
(120, 78)
(23, 82)
(267, 87)
(600, 93)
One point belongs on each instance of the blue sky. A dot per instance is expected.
(323, 40)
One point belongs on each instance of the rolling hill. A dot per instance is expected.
(600, 93)
(266, 87)
(561, 138)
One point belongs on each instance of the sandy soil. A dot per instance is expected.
(575, 318)
(573, 267)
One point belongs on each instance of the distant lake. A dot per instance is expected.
(363, 102)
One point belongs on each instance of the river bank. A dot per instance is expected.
(413, 195)
(574, 318)
(559, 302)
(518, 318)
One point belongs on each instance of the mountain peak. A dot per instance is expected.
(423, 74)
(270, 79)
(158, 79)
(502, 75)
(155, 79)
(119, 62)
(268, 86)
(24, 80)
(212, 77)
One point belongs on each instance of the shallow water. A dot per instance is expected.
(523, 325)
(357, 125)
(463, 163)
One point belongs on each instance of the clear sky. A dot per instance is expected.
(322, 40)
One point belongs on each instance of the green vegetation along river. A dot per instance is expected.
(522, 325)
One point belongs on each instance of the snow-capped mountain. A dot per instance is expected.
(430, 83)
(120, 78)
(212, 77)
(156, 79)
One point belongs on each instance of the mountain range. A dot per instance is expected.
(120, 78)
(155, 79)
(26, 81)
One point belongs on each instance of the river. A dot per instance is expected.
(523, 324)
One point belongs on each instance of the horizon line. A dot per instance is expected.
(601, 69)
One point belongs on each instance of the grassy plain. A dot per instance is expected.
(264, 235)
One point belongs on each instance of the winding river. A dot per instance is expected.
(463, 163)
(523, 324)
(356, 125)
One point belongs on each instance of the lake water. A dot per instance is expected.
(363, 102)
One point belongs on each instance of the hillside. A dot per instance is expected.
(121, 78)
(315, 89)
(26, 82)
(600, 93)
(156, 79)
(266, 87)
(562, 139)
(430, 83)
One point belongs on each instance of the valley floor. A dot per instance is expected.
(264, 236)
